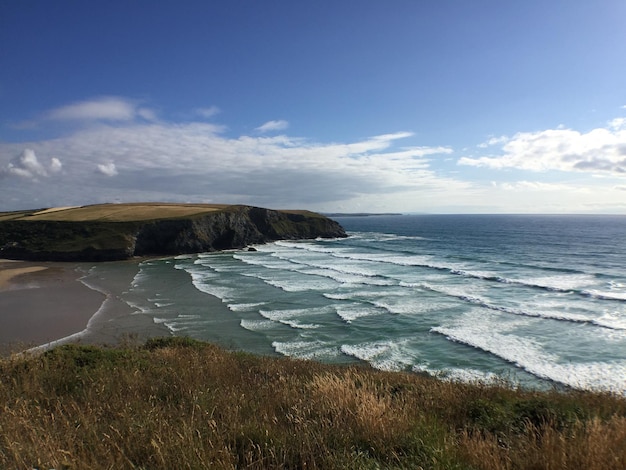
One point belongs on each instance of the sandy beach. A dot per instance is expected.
(53, 303)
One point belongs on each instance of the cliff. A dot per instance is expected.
(120, 231)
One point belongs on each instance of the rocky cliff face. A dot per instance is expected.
(235, 227)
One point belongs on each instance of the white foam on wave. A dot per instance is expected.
(140, 277)
(605, 295)
(302, 285)
(307, 246)
(306, 349)
(356, 269)
(137, 308)
(257, 325)
(482, 333)
(382, 355)
(352, 311)
(182, 322)
(383, 237)
(455, 374)
(246, 307)
(614, 320)
(278, 315)
(299, 325)
(199, 281)
(557, 314)
(396, 259)
(293, 317)
(329, 268)
(174, 327)
(406, 303)
(182, 257)
(266, 262)
(346, 278)
(338, 296)
(357, 293)
(560, 282)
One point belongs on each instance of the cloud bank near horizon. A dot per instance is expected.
(121, 151)
(600, 150)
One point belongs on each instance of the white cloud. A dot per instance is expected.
(493, 141)
(55, 165)
(109, 108)
(147, 114)
(617, 123)
(599, 150)
(273, 126)
(194, 161)
(27, 165)
(107, 169)
(207, 112)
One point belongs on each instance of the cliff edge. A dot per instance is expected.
(109, 232)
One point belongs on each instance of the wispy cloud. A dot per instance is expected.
(207, 112)
(271, 126)
(493, 141)
(100, 109)
(599, 150)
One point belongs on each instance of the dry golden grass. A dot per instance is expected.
(125, 212)
(181, 404)
(54, 209)
(122, 212)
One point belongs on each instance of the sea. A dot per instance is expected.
(532, 300)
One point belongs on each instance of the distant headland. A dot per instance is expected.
(107, 232)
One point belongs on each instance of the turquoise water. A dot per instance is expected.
(535, 299)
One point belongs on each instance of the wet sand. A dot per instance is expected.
(44, 304)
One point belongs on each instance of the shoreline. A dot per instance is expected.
(46, 304)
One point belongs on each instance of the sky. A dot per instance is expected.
(451, 106)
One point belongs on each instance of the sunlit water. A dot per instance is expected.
(537, 300)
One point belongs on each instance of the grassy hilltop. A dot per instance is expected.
(178, 403)
(112, 212)
(120, 231)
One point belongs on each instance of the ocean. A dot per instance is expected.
(538, 301)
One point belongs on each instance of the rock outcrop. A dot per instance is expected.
(97, 240)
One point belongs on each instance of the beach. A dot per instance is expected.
(44, 304)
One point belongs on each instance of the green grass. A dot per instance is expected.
(179, 403)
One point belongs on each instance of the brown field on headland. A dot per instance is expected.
(115, 212)
(124, 212)
(177, 403)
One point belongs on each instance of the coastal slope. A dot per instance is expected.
(108, 232)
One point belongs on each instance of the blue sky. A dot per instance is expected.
(404, 105)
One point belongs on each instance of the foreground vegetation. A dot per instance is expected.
(177, 403)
